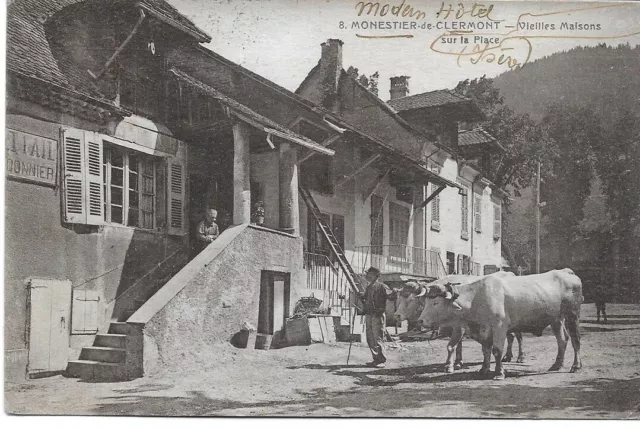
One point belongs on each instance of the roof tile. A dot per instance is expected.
(29, 52)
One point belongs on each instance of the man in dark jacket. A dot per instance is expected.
(374, 299)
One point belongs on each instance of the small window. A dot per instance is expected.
(129, 188)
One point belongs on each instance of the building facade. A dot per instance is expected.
(398, 223)
(122, 128)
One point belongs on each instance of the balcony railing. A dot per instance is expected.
(400, 259)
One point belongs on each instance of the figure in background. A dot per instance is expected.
(207, 229)
(375, 299)
(601, 301)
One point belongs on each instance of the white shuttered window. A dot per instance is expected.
(106, 183)
(82, 177)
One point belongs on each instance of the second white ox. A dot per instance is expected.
(410, 303)
(492, 307)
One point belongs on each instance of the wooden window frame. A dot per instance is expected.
(109, 148)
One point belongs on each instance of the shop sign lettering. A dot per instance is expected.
(31, 157)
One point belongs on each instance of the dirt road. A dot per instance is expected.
(315, 381)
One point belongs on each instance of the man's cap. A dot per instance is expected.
(373, 270)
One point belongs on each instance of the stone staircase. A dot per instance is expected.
(106, 359)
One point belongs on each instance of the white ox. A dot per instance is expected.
(410, 303)
(492, 307)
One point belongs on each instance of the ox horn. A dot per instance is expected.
(423, 291)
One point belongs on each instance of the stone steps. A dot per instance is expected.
(105, 361)
(103, 354)
(108, 340)
(97, 371)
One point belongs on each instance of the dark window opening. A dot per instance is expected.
(451, 263)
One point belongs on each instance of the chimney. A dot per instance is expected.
(331, 68)
(399, 87)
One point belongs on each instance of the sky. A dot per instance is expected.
(280, 39)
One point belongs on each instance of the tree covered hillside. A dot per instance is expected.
(587, 104)
(604, 79)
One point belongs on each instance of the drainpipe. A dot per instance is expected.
(425, 230)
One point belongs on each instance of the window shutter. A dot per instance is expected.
(73, 186)
(497, 222)
(176, 178)
(435, 210)
(438, 208)
(465, 215)
(161, 195)
(84, 312)
(93, 179)
(478, 214)
(435, 203)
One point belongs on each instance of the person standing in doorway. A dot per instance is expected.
(375, 299)
(207, 230)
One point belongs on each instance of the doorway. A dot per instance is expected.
(48, 326)
(451, 263)
(274, 301)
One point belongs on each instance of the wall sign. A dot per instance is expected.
(31, 157)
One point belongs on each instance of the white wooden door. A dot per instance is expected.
(50, 305)
(278, 303)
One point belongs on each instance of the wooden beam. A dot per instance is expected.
(361, 168)
(367, 193)
(325, 143)
(430, 198)
(120, 48)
